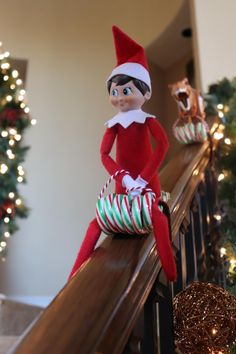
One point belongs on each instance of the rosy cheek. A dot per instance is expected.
(128, 99)
(132, 100)
(114, 101)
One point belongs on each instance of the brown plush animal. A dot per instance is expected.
(190, 126)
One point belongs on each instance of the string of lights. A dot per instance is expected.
(226, 91)
(14, 119)
(221, 100)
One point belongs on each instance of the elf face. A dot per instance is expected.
(126, 97)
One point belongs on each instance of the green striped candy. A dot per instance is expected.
(116, 210)
(126, 214)
(101, 217)
(147, 210)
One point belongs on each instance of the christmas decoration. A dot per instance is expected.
(204, 319)
(120, 213)
(14, 119)
(221, 100)
(129, 87)
(190, 127)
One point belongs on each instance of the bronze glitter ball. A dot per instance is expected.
(204, 319)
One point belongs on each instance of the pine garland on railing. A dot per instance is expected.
(14, 119)
(222, 100)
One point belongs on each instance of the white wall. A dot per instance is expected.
(163, 104)
(214, 37)
(174, 73)
(70, 52)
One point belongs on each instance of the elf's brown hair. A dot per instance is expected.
(124, 79)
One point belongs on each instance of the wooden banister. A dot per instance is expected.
(97, 311)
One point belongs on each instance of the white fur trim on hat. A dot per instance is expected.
(134, 70)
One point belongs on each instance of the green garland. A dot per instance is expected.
(221, 100)
(14, 119)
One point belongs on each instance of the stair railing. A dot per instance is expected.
(120, 301)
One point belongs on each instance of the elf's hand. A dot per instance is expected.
(128, 182)
(141, 182)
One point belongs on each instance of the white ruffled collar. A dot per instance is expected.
(127, 118)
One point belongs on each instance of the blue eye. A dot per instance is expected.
(114, 92)
(127, 91)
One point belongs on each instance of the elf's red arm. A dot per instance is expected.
(105, 149)
(157, 157)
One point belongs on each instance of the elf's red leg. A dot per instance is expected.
(88, 245)
(161, 234)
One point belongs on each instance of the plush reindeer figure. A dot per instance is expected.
(190, 126)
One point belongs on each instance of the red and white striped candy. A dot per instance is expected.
(147, 211)
(101, 218)
(177, 134)
(204, 131)
(108, 205)
(187, 133)
(110, 179)
(116, 210)
(126, 214)
(122, 214)
(192, 131)
(136, 215)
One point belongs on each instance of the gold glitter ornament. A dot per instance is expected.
(204, 319)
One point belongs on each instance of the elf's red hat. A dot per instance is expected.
(131, 58)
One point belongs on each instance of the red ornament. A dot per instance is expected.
(5, 208)
(10, 115)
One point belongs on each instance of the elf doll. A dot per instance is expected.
(129, 87)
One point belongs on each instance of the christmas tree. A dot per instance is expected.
(14, 119)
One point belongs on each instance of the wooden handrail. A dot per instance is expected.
(97, 310)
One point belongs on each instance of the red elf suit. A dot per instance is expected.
(132, 129)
